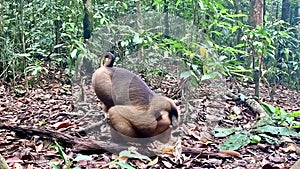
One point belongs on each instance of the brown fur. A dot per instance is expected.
(134, 110)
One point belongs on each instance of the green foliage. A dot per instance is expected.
(282, 117)
(34, 42)
(63, 156)
(279, 123)
(236, 141)
(130, 153)
(67, 161)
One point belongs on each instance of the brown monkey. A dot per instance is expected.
(118, 86)
(154, 122)
(133, 108)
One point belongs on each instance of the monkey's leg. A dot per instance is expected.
(120, 123)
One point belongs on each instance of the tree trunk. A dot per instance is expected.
(257, 18)
(256, 12)
(286, 10)
(87, 20)
(139, 23)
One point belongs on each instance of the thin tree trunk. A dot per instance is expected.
(87, 20)
(139, 23)
(286, 10)
(1, 20)
(256, 18)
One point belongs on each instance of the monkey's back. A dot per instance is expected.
(118, 86)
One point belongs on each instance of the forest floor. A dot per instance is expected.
(52, 106)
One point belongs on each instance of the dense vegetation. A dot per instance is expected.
(212, 37)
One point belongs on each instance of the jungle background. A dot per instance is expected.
(232, 67)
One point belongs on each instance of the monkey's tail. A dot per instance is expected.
(109, 62)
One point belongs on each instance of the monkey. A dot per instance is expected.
(134, 109)
(118, 86)
(154, 122)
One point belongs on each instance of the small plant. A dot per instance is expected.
(67, 161)
(279, 123)
(119, 161)
(130, 153)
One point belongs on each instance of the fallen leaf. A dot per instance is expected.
(38, 148)
(230, 152)
(168, 150)
(14, 160)
(63, 124)
(167, 164)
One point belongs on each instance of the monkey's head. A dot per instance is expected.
(109, 62)
(160, 104)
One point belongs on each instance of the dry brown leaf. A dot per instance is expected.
(38, 148)
(167, 150)
(14, 160)
(230, 152)
(63, 124)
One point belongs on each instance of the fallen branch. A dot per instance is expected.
(251, 103)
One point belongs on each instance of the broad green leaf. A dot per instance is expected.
(236, 141)
(269, 139)
(283, 131)
(263, 122)
(223, 132)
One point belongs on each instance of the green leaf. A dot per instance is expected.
(82, 157)
(283, 131)
(137, 40)
(295, 114)
(240, 45)
(124, 165)
(54, 166)
(269, 139)
(270, 110)
(62, 153)
(263, 122)
(236, 141)
(185, 74)
(73, 54)
(209, 76)
(223, 132)
(255, 139)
